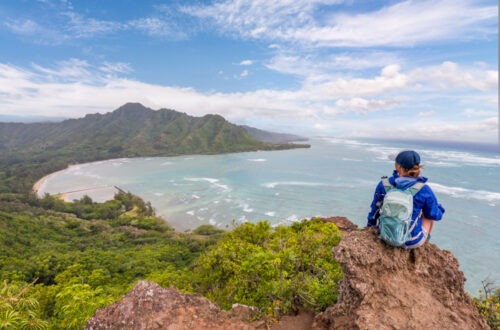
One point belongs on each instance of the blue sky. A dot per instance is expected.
(348, 68)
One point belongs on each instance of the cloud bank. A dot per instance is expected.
(75, 88)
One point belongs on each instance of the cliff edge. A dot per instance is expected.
(384, 288)
(391, 288)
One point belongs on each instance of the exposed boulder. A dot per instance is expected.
(149, 306)
(392, 288)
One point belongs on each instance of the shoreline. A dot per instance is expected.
(41, 182)
(65, 195)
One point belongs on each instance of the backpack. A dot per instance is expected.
(395, 213)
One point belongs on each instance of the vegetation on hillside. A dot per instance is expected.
(85, 255)
(83, 264)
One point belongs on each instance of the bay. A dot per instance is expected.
(333, 177)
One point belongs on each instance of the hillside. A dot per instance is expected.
(129, 131)
(384, 288)
(32, 150)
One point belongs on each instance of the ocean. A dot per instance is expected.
(335, 177)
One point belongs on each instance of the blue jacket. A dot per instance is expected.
(424, 201)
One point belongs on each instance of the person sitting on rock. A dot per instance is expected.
(426, 208)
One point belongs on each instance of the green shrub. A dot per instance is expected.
(488, 304)
(18, 310)
(207, 230)
(276, 270)
(76, 303)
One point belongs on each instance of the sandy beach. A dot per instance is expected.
(106, 192)
(40, 183)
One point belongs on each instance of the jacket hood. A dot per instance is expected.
(405, 182)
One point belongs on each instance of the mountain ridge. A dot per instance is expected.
(135, 130)
(132, 116)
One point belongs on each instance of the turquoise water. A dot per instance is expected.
(333, 177)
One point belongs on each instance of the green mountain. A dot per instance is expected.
(131, 130)
(31, 150)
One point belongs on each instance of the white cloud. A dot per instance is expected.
(246, 62)
(252, 18)
(158, 27)
(63, 27)
(66, 24)
(66, 71)
(363, 106)
(404, 23)
(24, 27)
(36, 32)
(390, 79)
(244, 73)
(424, 128)
(482, 130)
(451, 75)
(75, 87)
(82, 27)
(117, 67)
(313, 67)
(12, 72)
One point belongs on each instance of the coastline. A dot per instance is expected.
(40, 183)
(109, 191)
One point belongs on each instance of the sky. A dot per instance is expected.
(345, 68)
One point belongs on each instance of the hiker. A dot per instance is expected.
(423, 207)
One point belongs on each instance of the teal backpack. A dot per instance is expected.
(395, 213)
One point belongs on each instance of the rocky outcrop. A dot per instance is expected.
(343, 224)
(149, 306)
(384, 288)
(392, 288)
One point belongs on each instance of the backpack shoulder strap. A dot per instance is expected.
(416, 188)
(386, 183)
